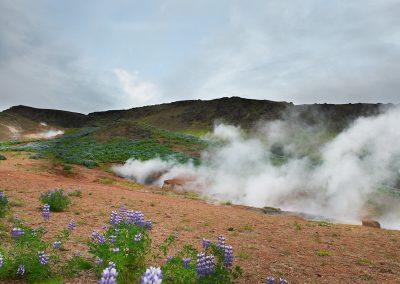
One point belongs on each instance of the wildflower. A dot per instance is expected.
(57, 245)
(98, 261)
(1, 261)
(138, 218)
(98, 238)
(21, 270)
(282, 281)
(17, 232)
(46, 212)
(115, 249)
(220, 242)
(228, 255)
(43, 258)
(148, 224)
(205, 243)
(138, 237)
(186, 262)
(169, 258)
(205, 264)
(270, 280)
(109, 275)
(72, 225)
(122, 212)
(115, 218)
(152, 275)
(113, 239)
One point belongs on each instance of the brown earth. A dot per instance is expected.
(301, 251)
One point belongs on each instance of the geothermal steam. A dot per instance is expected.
(296, 168)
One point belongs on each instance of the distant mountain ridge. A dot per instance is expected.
(193, 115)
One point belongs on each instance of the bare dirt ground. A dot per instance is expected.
(301, 251)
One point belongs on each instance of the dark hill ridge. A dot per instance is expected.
(201, 114)
(60, 118)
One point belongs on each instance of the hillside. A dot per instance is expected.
(196, 115)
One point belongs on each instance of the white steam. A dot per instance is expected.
(285, 165)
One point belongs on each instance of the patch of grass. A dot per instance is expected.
(57, 199)
(364, 262)
(297, 226)
(76, 193)
(3, 204)
(243, 255)
(2, 158)
(323, 252)
(246, 228)
(75, 265)
(16, 203)
(324, 224)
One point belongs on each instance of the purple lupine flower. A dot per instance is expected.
(46, 212)
(21, 270)
(97, 237)
(228, 255)
(109, 275)
(1, 260)
(71, 225)
(282, 281)
(169, 258)
(57, 245)
(130, 217)
(138, 218)
(220, 242)
(114, 218)
(98, 261)
(205, 264)
(104, 228)
(186, 262)
(270, 280)
(17, 232)
(138, 237)
(113, 239)
(43, 258)
(115, 249)
(152, 275)
(122, 213)
(148, 224)
(205, 243)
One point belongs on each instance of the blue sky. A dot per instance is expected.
(97, 55)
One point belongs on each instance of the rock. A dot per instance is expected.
(371, 223)
(271, 210)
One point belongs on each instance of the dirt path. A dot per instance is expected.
(299, 250)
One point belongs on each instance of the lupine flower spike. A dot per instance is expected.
(21, 270)
(109, 275)
(152, 275)
(43, 258)
(46, 212)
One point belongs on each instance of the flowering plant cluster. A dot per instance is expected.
(3, 204)
(125, 242)
(57, 199)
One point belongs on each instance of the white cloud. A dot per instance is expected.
(137, 90)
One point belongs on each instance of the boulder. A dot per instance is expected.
(371, 223)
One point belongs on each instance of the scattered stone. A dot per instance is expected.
(371, 223)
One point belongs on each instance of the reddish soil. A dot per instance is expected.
(299, 250)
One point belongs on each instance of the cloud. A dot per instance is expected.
(136, 90)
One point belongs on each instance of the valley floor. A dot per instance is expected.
(300, 251)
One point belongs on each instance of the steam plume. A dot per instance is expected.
(284, 164)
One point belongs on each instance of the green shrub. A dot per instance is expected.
(2, 158)
(57, 199)
(3, 204)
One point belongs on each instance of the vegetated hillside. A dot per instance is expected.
(52, 117)
(14, 126)
(197, 116)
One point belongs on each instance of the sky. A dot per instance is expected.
(97, 55)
